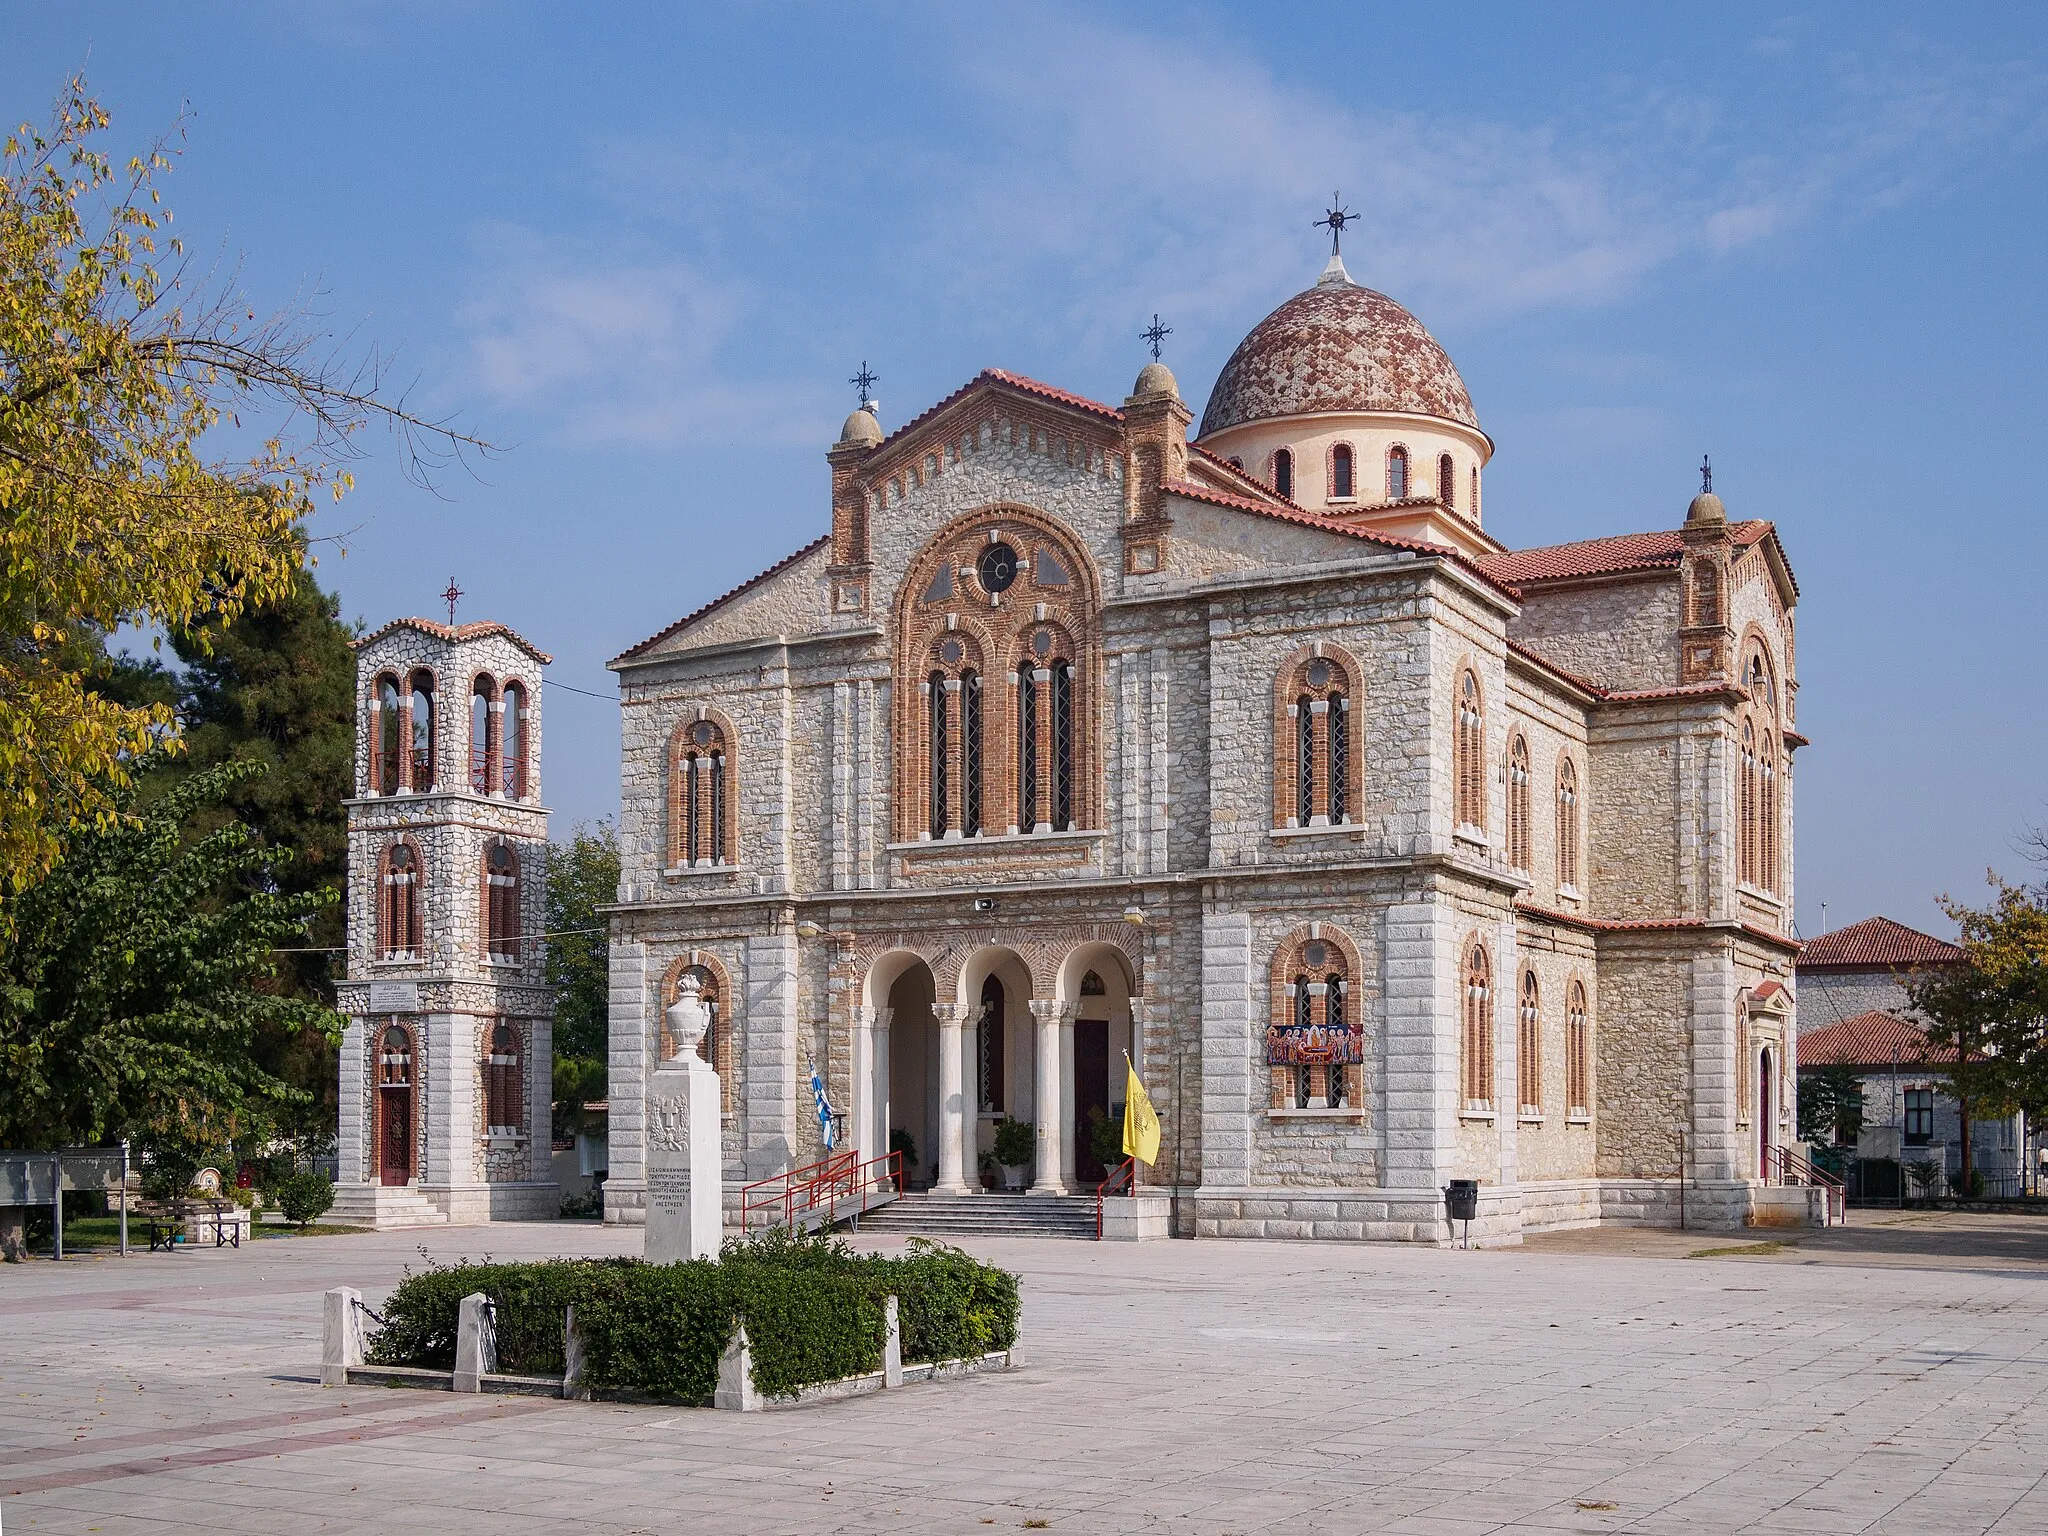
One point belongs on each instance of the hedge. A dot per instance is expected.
(812, 1307)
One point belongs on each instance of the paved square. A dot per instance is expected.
(1889, 1378)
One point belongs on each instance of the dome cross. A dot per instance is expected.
(1334, 220)
(1155, 333)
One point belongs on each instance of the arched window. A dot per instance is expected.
(1314, 1046)
(1236, 463)
(1767, 812)
(702, 827)
(394, 1058)
(395, 1145)
(1742, 1063)
(1446, 482)
(513, 751)
(1529, 1048)
(1027, 747)
(1469, 753)
(1283, 472)
(1314, 756)
(480, 734)
(1062, 747)
(989, 1050)
(1578, 1054)
(400, 929)
(1475, 493)
(1478, 1043)
(1397, 474)
(501, 902)
(423, 723)
(504, 1086)
(1746, 814)
(1518, 803)
(1000, 602)
(1567, 824)
(388, 743)
(938, 711)
(1342, 478)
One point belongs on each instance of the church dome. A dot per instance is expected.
(861, 428)
(1337, 347)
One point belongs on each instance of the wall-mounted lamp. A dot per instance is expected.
(984, 903)
(1135, 916)
(808, 929)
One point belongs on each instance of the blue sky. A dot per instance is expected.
(643, 254)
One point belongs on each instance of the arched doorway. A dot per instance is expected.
(900, 1108)
(1096, 978)
(394, 1105)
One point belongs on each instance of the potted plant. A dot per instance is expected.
(1016, 1140)
(986, 1163)
(900, 1141)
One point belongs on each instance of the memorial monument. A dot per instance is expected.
(685, 1179)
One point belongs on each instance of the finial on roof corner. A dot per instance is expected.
(1706, 507)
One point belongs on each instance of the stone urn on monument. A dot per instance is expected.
(685, 1176)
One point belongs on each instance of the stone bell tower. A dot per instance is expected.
(447, 1062)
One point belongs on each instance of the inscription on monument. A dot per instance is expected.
(394, 997)
(668, 1189)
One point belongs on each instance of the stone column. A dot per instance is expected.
(1046, 1100)
(1070, 1156)
(353, 1141)
(767, 1042)
(629, 1033)
(970, 1099)
(861, 1090)
(952, 1019)
(882, 1089)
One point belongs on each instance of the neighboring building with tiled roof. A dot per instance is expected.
(1256, 752)
(1866, 967)
(1871, 1039)
(1876, 944)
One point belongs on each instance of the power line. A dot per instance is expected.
(607, 698)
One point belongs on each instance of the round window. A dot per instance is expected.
(1041, 643)
(1319, 674)
(702, 732)
(997, 568)
(1314, 952)
(952, 653)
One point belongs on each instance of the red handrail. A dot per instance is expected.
(788, 1198)
(1122, 1180)
(1792, 1169)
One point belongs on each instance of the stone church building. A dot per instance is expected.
(1390, 853)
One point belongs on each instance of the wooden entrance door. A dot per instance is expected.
(1091, 1092)
(1763, 1118)
(394, 1106)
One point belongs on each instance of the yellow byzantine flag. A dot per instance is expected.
(1141, 1123)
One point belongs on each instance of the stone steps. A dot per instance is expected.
(383, 1207)
(988, 1215)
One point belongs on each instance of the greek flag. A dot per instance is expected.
(825, 1119)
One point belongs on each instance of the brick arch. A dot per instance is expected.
(388, 911)
(1291, 683)
(1570, 831)
(1399, 453)
(513, 772)
(1297, 1064)
(376, 779)
(501, 911)
(1520, 776)
(1071, 608)
(1332, 491)
(1755, 642)
(725, 848)
(724, 1025)
(1578, 1047)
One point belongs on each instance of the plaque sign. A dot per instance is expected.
(685, 1177)
(394, 997)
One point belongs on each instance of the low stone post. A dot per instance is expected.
(341, 1335)
(476, 1344)
(685, 1174)
(892, 1346)
(736, 1375)
(575, 1369)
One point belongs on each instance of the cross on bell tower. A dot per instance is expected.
(1155, 333)
(453, 595)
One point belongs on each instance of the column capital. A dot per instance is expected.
(950, 1015)
(1052, 1011)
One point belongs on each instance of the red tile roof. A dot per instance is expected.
(1604, 557)
(723, 598)
(452, 632)
(1644, 924)
(1867, 1040)
(1876, 944)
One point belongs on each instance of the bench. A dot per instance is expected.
(168, 1221)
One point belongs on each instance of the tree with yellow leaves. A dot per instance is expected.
(132, 490)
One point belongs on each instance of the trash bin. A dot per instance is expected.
(1461, 1199)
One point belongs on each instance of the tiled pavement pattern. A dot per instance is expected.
(1887, 1379)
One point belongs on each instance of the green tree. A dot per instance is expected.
(583, 875)
(137, 483)
(133, 987)
(1990, 1013)
(1830, 1105)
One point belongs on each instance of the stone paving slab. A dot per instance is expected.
(1889, 1378)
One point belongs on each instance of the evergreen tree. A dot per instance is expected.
(583, 875)
(133, 993)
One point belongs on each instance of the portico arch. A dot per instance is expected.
(1096, 984)
(896, 1061)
